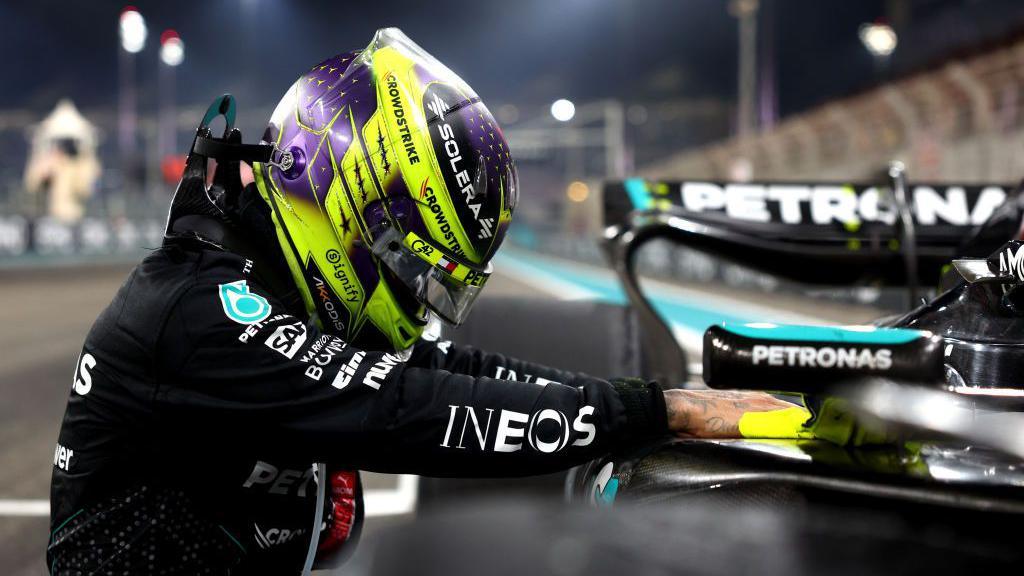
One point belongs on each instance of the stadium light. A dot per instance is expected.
(563, 110)
(879, 38)
(172, 48)
(132, 30)
(577, 191)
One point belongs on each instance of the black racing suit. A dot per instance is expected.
(189, 440)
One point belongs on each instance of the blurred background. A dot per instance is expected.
(100, 102)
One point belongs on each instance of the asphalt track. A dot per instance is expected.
(45, 313)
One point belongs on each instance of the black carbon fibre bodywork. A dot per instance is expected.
(732, 360)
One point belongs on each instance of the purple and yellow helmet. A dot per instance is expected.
(400, 190)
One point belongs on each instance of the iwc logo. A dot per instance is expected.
(241, 305)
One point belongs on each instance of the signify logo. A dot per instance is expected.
(822, 357)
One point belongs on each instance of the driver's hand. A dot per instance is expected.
(729, 414)
(721, 413)
(737, 414)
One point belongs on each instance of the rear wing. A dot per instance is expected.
(827, 232)
(821, 233)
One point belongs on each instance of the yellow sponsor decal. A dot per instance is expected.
(317, 238)
(425, 251)
(406, 127)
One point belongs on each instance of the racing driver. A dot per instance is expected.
(275, 343)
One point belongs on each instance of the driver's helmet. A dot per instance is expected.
(400, 188)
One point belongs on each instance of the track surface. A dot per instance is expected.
(44, 316)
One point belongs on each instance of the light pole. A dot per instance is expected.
(132, 31)
(172, 54)
(746, 12)
(880, 40)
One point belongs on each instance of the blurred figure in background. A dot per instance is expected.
(62, 168)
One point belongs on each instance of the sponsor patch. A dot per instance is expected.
(287, 339)
(822, 204)
(1011, 261)
(275, 536)
(502, 373)
(83, 376)
(332, 313)
(241, 305)
(270, 479)
(447, 264)
(394, 96)
(348, 370)
(62, 457)
(545, 431)
(379, 371)
(822, 357)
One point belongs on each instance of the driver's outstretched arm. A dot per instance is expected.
(278, 385)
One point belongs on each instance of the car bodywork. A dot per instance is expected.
(958, 452)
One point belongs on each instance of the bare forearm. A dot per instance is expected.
(714, 413)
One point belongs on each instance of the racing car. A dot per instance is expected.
(941, 491)
(941, 382)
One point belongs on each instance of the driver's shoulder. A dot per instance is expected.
(166, 280)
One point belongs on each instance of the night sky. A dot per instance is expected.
(527, 52)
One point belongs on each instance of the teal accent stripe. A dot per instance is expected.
(636, 188)
(65, 523)
(607, 497)
(237, 543)
(57, 529)
(859, 335)
(605, 288)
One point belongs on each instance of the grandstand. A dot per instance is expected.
(961, 120)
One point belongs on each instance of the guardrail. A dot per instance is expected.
(22, 236)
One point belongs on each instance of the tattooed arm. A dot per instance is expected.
(715, 413)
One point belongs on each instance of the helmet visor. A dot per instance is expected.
(446, 286)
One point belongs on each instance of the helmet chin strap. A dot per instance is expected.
(193, 194)
(224, 150)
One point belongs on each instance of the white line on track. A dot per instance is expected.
(401, 500)
(24, 507)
